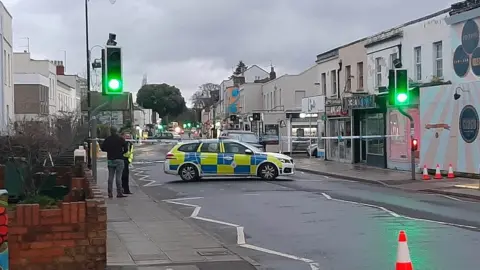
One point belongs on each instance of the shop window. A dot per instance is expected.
(375, 127)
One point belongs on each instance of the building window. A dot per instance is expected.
(333, 78)
(393, 57)
(5, 67)
(438, 58)
(9, 70)
(299, 95)
(360, 75)
(324, 84)
(378, 72)
(348, 78)
(375, 127)
(417, 55)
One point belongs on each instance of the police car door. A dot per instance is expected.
(209, 152)
(237, 160)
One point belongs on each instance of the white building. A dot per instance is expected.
(426, 49)
(6, 77)
(66, 98)
(32, 72)
(251, 74)
(142, 116)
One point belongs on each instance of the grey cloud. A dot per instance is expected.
(158, 34)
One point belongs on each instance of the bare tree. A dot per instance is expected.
(33, 145)
(207, 95)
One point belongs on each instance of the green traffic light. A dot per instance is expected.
(114, 84)
(402, 97)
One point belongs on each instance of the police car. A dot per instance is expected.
(224, 157)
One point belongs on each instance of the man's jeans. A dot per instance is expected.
(115, 170)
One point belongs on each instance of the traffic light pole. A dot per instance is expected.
(412, 134)
(93, 136)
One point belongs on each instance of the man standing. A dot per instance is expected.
(127, 159)
(115, 146)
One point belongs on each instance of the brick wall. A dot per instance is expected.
(71, 237)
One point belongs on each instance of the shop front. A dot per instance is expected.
(369, 116)
(338, 126)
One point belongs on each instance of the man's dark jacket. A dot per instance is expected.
(115, 146)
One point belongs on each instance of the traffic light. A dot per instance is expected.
(113, 77)
(414, 145)
(233, 118)
(160, 127)
(198, 125)
(184, 126)
(391, 87)
(256, 117)
(401, 89)
(189, 125)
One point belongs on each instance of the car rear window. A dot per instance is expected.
(189, 147)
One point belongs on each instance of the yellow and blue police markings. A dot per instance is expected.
(223, 163)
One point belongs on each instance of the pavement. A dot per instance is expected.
(143, 235)
(312, 221)
(458, 186)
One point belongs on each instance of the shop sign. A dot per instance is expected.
(336, 111)
(360, 102)
(333, 102)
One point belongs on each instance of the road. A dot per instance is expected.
(315, 222)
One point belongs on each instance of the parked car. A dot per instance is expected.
(243, 136)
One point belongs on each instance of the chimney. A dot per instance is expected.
(273, 74)
(60, 70)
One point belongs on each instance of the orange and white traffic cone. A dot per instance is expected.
(404, 262)
(450, 172)
(438, 175)
(425, 173)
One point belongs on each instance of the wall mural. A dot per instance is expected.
(449, 131)
(466, 52)
(233, 95)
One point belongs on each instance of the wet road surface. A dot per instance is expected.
(316, 222)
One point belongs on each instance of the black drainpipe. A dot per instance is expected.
(338, 77)
(399, 46)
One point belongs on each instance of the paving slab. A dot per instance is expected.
(142, 236)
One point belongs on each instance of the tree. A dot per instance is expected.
(240, 69)
(187, 116)
(164, 99)
(207, 95)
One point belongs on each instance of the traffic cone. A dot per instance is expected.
(404, 262)
(438, 175)
(450, 172)
(425, 173)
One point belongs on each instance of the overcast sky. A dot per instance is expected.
(190, 42)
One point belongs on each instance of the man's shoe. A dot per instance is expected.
(110, 195)
(128, 192)
(121, 196)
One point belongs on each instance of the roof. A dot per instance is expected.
(432, 15)
(119, 103)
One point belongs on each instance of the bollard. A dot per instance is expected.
(4, 265)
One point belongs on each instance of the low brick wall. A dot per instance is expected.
(71, 237)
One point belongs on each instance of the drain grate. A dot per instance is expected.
(213, 253)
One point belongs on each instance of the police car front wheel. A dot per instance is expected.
(268, 171)
(188, 172)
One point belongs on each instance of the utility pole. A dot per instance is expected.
(87, 48)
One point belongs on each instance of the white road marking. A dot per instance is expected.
(326, 176)
(390, 212)
(452, 198)
(251, 194)
(186, 199)
(309, 180)
(141, 176)
(240, 233)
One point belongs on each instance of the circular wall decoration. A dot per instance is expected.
(461, 61)
(470, 36)
(475, 61)
(468, 124)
